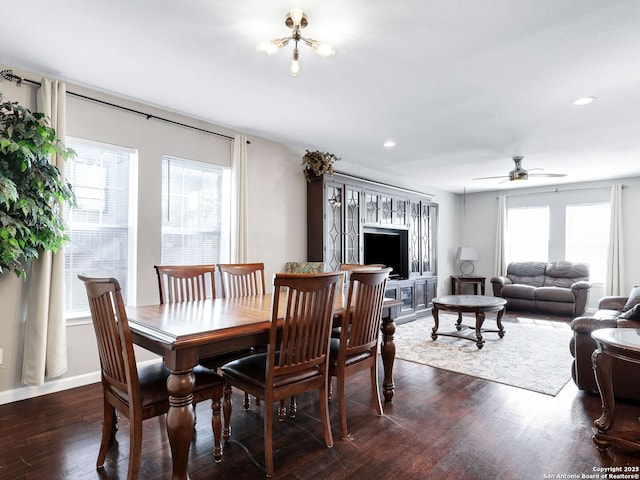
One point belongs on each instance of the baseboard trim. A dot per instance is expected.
(53, 386)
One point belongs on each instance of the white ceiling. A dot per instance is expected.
(460, 85)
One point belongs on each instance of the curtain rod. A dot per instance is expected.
(9, 75)
(557, 190)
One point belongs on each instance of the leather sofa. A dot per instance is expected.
(559, 288)
(613, 312)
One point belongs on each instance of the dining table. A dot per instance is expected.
(182, 333)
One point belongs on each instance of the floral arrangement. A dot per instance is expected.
(318, 163)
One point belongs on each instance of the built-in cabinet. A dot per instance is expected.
(353, 220)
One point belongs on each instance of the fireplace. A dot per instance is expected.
(388, 246)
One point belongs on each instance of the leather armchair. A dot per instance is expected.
(582, 346)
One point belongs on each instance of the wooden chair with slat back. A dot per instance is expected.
(357, 347)
(137, 393)
(242, 279)
(296, 360)
(347, 268)
(350, 267)
(183, 283)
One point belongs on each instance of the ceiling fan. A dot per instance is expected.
(519, 173)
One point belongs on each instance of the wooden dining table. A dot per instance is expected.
(182, 333)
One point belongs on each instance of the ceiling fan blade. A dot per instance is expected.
(547, 174)
(490, 178)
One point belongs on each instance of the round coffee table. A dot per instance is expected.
(477, 304)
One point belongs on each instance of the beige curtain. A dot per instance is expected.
(45, 341)
(615, 259)
(500, 264)
(239, 202)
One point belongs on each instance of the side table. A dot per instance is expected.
(623, 344)
(458, 280)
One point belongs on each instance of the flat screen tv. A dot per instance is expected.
(388, 246)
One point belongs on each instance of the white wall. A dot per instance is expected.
(478, 215)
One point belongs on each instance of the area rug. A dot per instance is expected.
(534, 353)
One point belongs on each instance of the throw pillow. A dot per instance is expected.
(633, 314)
(633, 300)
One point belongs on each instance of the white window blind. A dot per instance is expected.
(528, 234)
(587, 237)
(192, 211)
(99, 225)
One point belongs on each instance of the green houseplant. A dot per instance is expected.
(31, 188)
(317, 163)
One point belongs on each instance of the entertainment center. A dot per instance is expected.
(354, 220)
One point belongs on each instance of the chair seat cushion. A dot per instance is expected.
(333, 355)
(253, 371)
(217, 361)
(153, 383)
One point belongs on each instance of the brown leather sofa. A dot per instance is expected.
(611, 314)
(559, 288)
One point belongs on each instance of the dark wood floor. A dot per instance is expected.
(440, 425)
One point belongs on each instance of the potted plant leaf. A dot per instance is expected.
(32, 190)
(317, 163)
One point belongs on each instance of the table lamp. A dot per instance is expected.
(465, 256)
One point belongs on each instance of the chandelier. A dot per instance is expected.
(296, 20)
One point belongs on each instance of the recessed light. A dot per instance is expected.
(389, 144)
(584, 100)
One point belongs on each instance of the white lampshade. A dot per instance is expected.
(466, 254)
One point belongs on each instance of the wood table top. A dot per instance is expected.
(471, 301)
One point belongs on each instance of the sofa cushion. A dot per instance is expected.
(633, 314)
(528, 273)
(554, 294)
(633, 300)
(527, 292)
(564, 274)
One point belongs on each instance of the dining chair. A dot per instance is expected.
(136, 393)
(297, 355)
(242, 279)
(183, 283)
(347, 268)
(357, 347)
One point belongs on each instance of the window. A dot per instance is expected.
(193, 216)
(528, 234)
(587, 237)
(100, 225)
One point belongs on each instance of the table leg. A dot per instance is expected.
(479, 321)
(602, 370)
(499, 322)
(180, 420)
(436, 320)
(388, 329)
